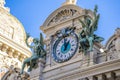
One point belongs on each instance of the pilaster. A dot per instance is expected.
(48, 49)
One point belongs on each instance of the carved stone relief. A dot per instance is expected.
(62, 16)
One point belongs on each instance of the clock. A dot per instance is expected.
(65, 47)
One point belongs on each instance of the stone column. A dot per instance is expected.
(48, 45)
(99, 77)
(117, 74)
(112, 76)
(92, 78)
(104, 77)
(36, 74)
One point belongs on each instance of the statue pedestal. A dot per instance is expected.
(91, 58)
(36, 74)
(88, 59)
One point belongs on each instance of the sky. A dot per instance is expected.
(33, 13)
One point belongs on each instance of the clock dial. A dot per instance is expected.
(65, 48)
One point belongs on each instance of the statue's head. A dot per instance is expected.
(35, 40)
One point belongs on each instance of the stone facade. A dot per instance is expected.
(103, 63)
(13, 49)
(96, 65)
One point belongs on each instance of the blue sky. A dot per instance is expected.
(33, 13)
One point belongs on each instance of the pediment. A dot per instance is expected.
(113, 44)
(62, 14)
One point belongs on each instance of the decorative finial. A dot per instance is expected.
(70, 2)
(2, 4)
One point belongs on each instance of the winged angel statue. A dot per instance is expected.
(38, 52)
(86, 35)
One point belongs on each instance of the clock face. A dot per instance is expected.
(65, 48)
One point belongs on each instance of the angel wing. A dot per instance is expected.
(94, 24)
(41, 40)
(82, 23)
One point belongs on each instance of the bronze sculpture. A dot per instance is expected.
(38, 52)
(86, 35)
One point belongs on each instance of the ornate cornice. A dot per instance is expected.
(11, 46)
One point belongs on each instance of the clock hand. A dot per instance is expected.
(64, 41)
(66, 44)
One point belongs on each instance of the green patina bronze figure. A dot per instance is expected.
(86, 35)
(38, 52)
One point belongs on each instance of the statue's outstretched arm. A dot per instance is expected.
(27, 36)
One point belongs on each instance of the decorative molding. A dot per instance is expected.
(10, 51)
(78, 73)
(22, 49)
(63, 15)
